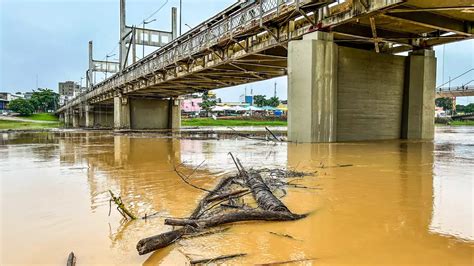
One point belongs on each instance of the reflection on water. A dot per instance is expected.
(398, 202)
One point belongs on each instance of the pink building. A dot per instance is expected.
(191, 105)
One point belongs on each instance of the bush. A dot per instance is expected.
(21, 106)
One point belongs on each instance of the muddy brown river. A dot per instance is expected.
(393, 202)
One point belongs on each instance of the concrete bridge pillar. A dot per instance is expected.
(146, 113)
(312, 88)
(175, 114)
(75, 119)
(121, 112)
(420, 95)
(89, 111)
(67, 118)
(338, 93)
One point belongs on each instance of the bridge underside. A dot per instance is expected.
(348, 86)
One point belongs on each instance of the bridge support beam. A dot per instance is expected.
(420, 93)
(89, 112)
(67, 118)
(146, 113)
(338, 93)
(121, 112)
(312, 88)
(75, 119)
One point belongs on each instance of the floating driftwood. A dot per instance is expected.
(210, 213)
(71, 260)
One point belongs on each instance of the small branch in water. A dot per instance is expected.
(273, 135)
(121, 207)
(184, 178)
(284, 262)
(225, 257)
(284, 235)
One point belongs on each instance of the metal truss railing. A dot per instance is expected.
(191, 44)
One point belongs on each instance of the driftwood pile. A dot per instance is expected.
(226, 204)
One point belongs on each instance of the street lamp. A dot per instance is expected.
(107, 64)
(187, 25)
(143, 33)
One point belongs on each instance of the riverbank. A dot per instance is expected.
(209, 122)
(32, 122)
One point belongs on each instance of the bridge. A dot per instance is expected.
(452, 92)
(344, 72)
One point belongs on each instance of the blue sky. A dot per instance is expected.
(46, 40)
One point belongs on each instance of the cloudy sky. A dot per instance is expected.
(45, 41)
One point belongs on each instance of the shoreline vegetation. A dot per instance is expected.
(46, 121)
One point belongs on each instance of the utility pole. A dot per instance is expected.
(123, 42)
(275, 91)
(180, 16)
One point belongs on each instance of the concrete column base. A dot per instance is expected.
(122, 113)
(419, 104)
(175, 114)
(75, 120)
(312, 88)
(89, 111)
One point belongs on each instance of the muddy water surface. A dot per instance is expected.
(393, 202)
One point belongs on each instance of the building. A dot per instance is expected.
(191, 104)
(6, 97)
(68, 88)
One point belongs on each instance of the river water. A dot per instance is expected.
(393, 202)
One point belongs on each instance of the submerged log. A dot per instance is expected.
(71, 260)
(153, 243)
(237, 216)
(191, 226)
(260, 191)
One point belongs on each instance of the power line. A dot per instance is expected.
(156, 11)
(455, 78)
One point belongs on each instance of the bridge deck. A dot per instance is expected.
(248, 43)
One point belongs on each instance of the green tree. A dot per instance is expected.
(44, 100)
(445, 103)
(21, 106)
(207, 101)
(273, 102)
(259, 100)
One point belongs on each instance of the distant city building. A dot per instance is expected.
(68, 88)
(6, 97)
(191, 104)
(28, 95)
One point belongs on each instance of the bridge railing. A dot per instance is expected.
(192, 43)
(458, 88)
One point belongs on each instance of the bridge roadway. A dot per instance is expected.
(455, 92)
(251, 42)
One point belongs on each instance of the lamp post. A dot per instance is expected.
(143, 33)
(107, 64)
(180, 15)
(187, 25)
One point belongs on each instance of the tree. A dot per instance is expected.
(273, 102)
(445, 103)
(207, 101)
(44, 100)
(259, 100)
(465, 108)
(21, 106)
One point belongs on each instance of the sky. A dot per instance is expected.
(43, 42)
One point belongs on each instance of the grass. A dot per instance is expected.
(209, 122)
(18, 125)
(462, 123)
(42, 117)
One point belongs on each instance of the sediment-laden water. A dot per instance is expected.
(392, 202)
